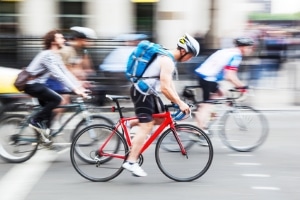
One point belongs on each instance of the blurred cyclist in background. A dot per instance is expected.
(75, 56)
(116, 61)
(48, 63)
(221, 65)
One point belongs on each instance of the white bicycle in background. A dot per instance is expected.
(241, 128)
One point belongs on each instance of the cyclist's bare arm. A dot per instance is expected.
(231, 75)
(167, 84)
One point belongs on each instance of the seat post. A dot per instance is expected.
(118, 107)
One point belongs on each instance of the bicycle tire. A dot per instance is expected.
(18, 142)
(85, 146)
(243, 129)
(96, 119)
(179, 167)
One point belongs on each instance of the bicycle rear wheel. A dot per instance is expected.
(244, 129)
(179, 167)
(95, 119)
(90, 163)
(18, 142)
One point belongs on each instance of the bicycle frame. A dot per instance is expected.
(168, 121)
(79, 109)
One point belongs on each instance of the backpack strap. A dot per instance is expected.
(166, 53)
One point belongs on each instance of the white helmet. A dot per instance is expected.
(189, 44)
(84, 32)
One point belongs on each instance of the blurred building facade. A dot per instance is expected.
(214, 22)
(164, 20)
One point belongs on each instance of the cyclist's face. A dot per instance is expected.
(59, 40)
(247, 50)
(185, 56)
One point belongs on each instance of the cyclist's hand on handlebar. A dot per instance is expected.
(81, 92)
(242, 89)
(184, 107)
(86, 84)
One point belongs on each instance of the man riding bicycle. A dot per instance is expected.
(49, 63)
(221, 65)
(145, 105)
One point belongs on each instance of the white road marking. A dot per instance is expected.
(250, 164)
(240, 155)
(18, 182)
(265, 188)
(257, 175)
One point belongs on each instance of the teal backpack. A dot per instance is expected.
(141, 58)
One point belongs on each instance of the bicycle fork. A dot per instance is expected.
(182, 149)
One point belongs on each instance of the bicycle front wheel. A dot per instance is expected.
(179, 167)
(92, 164)
(243, 129)
(18, 142)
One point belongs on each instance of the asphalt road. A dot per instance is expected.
(270, 172)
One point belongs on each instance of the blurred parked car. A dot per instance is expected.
(8, 93)
(7, 78)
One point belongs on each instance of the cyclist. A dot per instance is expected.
(223, 64)
(145, 105)
(49, 62)
(75, 57)
(79, 62)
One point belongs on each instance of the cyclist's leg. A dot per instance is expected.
(210, 90)
(144, 106)
(48, 99)
(57, 112)
(58, 87)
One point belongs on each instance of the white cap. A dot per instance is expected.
(86, 32)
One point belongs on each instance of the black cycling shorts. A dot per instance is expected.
(208, 87)
(145, 106)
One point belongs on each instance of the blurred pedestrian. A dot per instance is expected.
(116, 60)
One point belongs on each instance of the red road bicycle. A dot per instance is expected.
(98, 151)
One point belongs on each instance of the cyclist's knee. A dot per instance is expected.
(158, 121)
(147, 127)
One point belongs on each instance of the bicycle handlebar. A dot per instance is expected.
(174, 105)
(79, 98)
(239, 89)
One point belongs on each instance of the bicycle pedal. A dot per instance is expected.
(12, 143)
(58, 148)
(46, 142)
